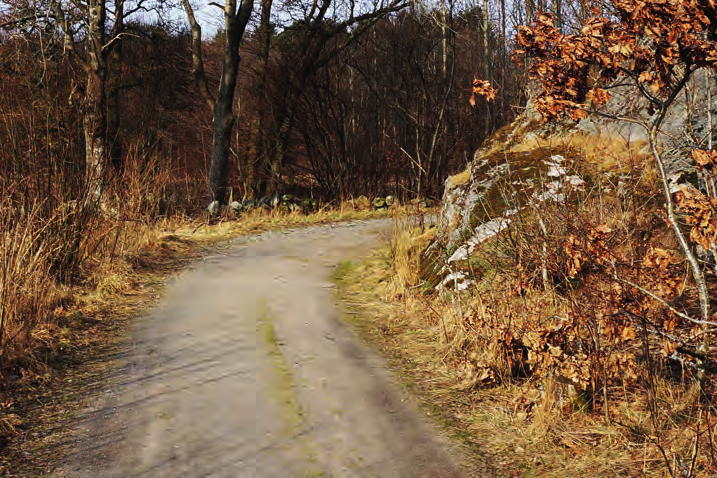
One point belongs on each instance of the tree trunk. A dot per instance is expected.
(444, 39)
(114, 116)
(258, 144)
(273, 167)
(559, 14)
(528, 11)
(486, 66)
(219, 165)
(95, 114)
(94, 124)
(222, 108)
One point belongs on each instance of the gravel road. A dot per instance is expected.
(245, 370)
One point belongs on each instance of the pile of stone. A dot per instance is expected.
(362, 203)
(286, 202)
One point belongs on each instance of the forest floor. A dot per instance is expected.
(226, 376)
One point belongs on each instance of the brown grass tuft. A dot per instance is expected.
(552, 379)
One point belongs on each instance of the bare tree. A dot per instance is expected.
(91, 40)
(319, 32)
(236, 17)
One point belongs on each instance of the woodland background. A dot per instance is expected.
(106, 137)
(388, 113)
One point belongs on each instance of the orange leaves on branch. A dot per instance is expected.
(648, 43)
(705, 160)
(591, 249)
(575, 256)
(660, 259)
(598, 96)
(484, 89)
(668, 282)
(701, 214)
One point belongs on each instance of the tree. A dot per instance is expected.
(94, 43)
(236, 17)
(653, 48)
(319, 33)
(257, 135)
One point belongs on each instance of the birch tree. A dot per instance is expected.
(91, 32)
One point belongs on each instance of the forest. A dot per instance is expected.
(328, 102)
(118, 116)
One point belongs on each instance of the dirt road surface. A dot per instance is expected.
(246, 370)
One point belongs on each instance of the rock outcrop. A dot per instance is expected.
(529, 162)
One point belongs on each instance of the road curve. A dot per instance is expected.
(245, 370)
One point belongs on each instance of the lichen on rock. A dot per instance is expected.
(520, 167)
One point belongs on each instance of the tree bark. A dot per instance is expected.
(95, 114)
(486, 66)
(222, 107)
(114, 101)
(258, 146)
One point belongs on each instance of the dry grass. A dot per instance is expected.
(105, 260)
(25, 281)
(532, 427)
(600, 153)
(258, 220)
(465, 353)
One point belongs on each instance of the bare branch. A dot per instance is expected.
(662, 301)
(114, 40)
(200, 76)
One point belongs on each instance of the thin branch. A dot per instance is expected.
(116, 38)
(687, 363)
(662, 301)
(682, 347)
(651, 98)
(200, 76)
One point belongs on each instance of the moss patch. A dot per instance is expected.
(282, 381)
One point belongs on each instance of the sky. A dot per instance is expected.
(208, 16)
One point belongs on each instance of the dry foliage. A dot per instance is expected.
(592, 375)
(654, 45)
(482, 88)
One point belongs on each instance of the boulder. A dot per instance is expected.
(213, 208)
(422, 202)
(514, 158)
(379, 203)
(362, 203)
(264, 201)
(474, 206)
(389, 201)
(308, 204)
(235, 207)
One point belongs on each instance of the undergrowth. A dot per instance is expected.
(555, 360)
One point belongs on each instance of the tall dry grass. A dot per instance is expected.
(26, 284)
(558, 377)
(55, 244)
(54, 237)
